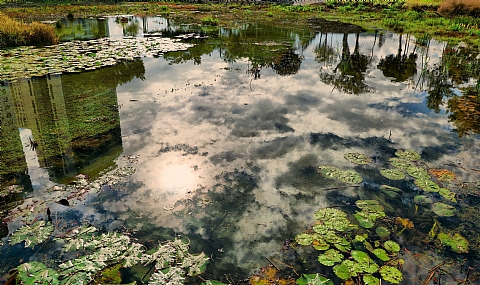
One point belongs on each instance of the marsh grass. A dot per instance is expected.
(14, 33)
(460, 7)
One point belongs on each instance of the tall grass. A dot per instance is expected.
(14, 33)
(460, 7)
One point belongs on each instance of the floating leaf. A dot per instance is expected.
(391, 274)
(400, 162)
(344, 245)
(393, 174)
(418, 172)
(320, 244)
(330, 257)
(382, 232)
(427, 185)
(391, 246)
(304, 239)
(364, 263)
(370, 280)
(32, 235)
(364, 221)
(370, 205)
(422, 200)
(390, 191)
(350, 177)
(381, 254)
(357, 158)
(456, 242)
(329, 171)
(342, 271)
(447, 194)
(360, 238)
(408, 154)
(443, 175)
(37, 273)
(312, 279)
(215, 282)
(404, 222)
(333, 219)
(443, 209)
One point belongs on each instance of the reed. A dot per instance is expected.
(14, 33)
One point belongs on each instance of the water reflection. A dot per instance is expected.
(229, 133)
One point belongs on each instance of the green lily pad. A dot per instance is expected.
(427, 185)
(357, 158)
(360, 238)
(368, 246)
(390, 191)
(391, 274)
(393, 174)
(344, 245)
(320, 244)
(447, 194)
(350, 177)
(332, 237)
(360, 256)
(364, 221)
(32, 235)
(422, 200)
(342, 270)
(313, 279)
(37, 273)
(330, 257)
(381, 254)
(321, 229)
(400, 163)
(329, 171)
(391, 246)
(456, 242)
(370, 280)
(382, 232)
(364, 263)
(333, 219)
(370, 205)
(408, 154)
(418, 172)
(304, 239)
(443, 209)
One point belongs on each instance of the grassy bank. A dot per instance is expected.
(15, 33)
(450, 20)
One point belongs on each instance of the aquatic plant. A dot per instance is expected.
(456, 242)
(347, 250)
(347, 176)
(408, 154)
(32, 235)
(9, 190)
(357, 158)
(443, 209)
(390, 191)
(14, 33)
(393, 174)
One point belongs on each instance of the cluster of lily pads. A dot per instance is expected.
(352, 254)
(169, 262)
(9, 190)
(78, 56)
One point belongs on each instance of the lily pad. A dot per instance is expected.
(313, 279)
(342, 270)
(370, 205)
(447, 194)
(391, 274)
(400, 163)
(370, 280)
(333, 219)
(427, 185)
(304, 239)
(418, 172)
(32, 235)
(456, 242)
(391, 246)
(443, 175)
(364, 220)
(422, 200)
(443, 209)
(364, 263)
(358, 158)
(390, 191)
(381, 254)
(393, 174)
(382, 232)
(350, 177)
(344, 245)
(320, 244)
(329, 171)
(37, 273)
(330, 257)
(408, 154)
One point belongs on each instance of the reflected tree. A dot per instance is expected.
(287, 63)
(400, 66)
(464, 112)
(349, 74)
(439, 87)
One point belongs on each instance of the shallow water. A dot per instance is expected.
(226, 137)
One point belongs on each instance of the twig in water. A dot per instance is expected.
(432, 272)
(339, 187)
(271, 262)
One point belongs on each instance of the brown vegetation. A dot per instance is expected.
(14, 33)
(460, 7)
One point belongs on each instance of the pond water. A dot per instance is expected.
(227, 136)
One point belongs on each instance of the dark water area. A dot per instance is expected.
(227, 136)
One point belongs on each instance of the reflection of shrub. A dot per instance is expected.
(13, 33)
(457, 7)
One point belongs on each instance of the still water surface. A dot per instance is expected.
(226, 137)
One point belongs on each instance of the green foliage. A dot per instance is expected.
(391, 274)
(32, 235)
(209, 21)
(348, 176)
(408, 154)
(313, 279)
(427, 185)
(390, 191)
(37, 273)
(358, 158)
(443, 209)
(393, 174)
(456, 242)
(422, 200)
(418, 172)
(9, 190)
(14, 33)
